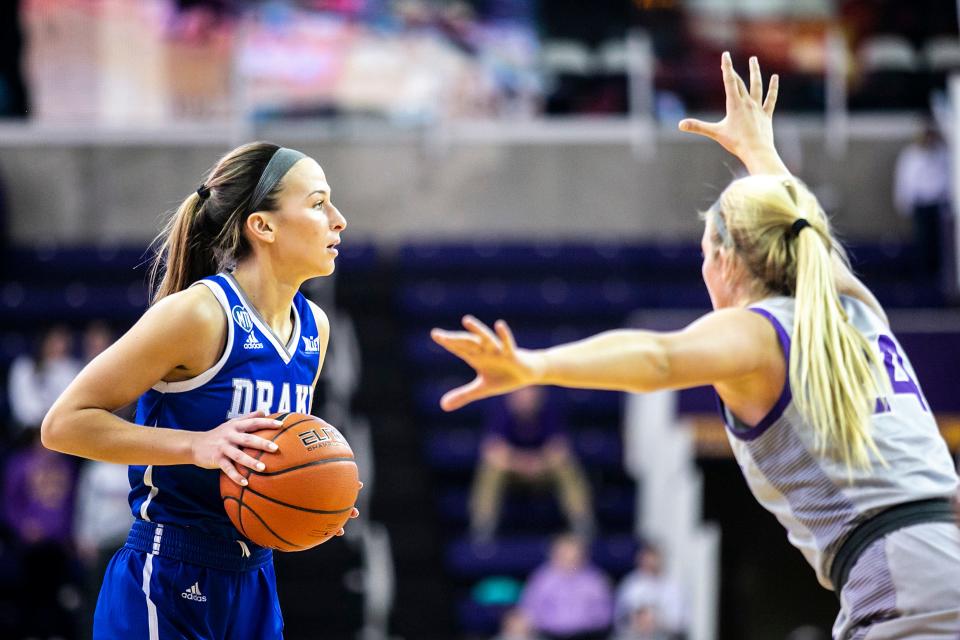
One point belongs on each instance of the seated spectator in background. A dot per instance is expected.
(36, 381)
(648, 603)
(922, 192)
(567, 597)
(101, 525)
(97, 336)
(38, 487)
(517, 626)
(525, 440)
(642, 624)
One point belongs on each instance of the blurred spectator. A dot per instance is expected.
(96, 338)
(517, 626)
(642, 624)
(649, 605)
(525, 440)
(567, 597)
(102, 521)
(807, 632)
(13, 92)
(37, 381)
(922, 192)
(38, 506)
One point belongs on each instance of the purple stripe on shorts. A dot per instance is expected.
(869, 596)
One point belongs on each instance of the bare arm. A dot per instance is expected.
(719, 347)
(746, 131)
(178, 338)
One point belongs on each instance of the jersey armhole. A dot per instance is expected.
(737, 427)
(203, 378)
(317, 314)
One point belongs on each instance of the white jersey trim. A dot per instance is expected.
(198, 381)
(317, 315)
(286, 352)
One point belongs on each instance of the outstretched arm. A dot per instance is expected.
(746, 131)
(722, 346)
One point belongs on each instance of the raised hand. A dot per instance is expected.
(746, 130)
(222, 447)
(501, 367)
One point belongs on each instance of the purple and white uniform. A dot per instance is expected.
(905, 584)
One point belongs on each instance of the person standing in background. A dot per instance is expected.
(13, 90)
(922, 193)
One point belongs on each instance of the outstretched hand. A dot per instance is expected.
(746, 130)
(501, 367)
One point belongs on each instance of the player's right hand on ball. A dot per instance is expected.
(222, 447)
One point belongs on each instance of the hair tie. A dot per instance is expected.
(203, 191)
(799, 225)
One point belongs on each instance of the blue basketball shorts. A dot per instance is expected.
(168, 583)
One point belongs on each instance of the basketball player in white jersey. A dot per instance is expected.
(822, 407)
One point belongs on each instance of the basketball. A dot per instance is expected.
(306, 492)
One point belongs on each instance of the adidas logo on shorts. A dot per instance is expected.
(193, 593)
(252, 342)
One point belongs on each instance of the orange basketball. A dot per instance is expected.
(305, 493)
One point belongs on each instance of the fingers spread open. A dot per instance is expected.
(487, 340)
(692, 125)
(506, 336)
(459, 343)
(771, 102)
(732, 83)
(756, 82)
(461, 396)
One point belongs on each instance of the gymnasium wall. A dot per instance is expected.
(415, 187)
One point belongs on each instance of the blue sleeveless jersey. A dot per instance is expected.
(256, 371)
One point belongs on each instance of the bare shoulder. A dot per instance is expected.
(735, 323)
(196, 310)
(192, 324)
(739, 334)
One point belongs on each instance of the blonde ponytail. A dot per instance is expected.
(836, 375)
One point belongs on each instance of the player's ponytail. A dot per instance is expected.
(778, 228)
(205, 234)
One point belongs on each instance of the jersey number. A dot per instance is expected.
(900, 380)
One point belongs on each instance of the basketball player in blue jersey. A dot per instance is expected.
(822, 407)
(227, 341)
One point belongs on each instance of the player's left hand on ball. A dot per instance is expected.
(501, 366)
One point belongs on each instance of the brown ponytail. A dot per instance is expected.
(205, 235)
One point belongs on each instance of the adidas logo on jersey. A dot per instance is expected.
(252, 342)
(311, 345)
(193, 593)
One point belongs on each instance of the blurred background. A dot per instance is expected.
(508, 158)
